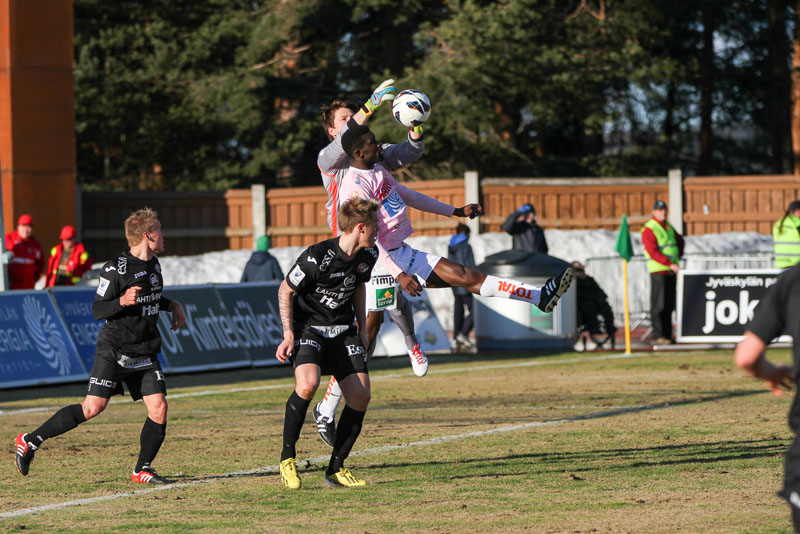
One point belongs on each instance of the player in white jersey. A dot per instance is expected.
(368, 179)
(333, 164)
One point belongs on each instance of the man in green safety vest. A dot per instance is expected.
(786, 237)
(663, 247)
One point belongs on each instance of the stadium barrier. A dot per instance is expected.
(692, 302)
(48, 337)
(715, 305)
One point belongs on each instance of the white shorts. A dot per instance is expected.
(416, 262)
(381, 290)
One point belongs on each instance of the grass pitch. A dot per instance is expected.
(579, 443)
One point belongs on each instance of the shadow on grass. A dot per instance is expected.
(232, 377)
(676, 454)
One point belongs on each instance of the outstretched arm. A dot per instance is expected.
(423, 202)
(749, 355)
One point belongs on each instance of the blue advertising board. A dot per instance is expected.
(253, 308)
(75, 305)
(35, 347)
(208, 339)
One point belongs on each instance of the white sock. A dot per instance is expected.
(507, 288)
(331, 400)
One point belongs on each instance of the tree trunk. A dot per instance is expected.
(705, 160)
(778, 106)
(796, 91)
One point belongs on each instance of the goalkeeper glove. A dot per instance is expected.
(383, 92)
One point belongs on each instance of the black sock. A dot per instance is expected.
(62, 421)
(296, 409)
(151, 439)
(347, 431)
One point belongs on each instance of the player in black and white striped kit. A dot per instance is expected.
(319, 299)
(129, 298)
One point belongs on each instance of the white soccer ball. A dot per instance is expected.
(411, 108)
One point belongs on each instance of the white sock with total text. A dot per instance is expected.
(507, 288)
(331, 400)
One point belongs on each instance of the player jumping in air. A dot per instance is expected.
(333, 164)
(367, 178)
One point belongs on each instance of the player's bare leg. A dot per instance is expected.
(451, 274)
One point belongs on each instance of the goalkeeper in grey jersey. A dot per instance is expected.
(333, 164)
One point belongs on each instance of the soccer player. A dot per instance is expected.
(776, 314)
(129, 298)
(318, 300)
(367, 178)
(333, 164)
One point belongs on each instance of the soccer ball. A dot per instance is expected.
(411, 108)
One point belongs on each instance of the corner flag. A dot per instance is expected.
(624, 247)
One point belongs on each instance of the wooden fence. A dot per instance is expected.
(205, 221)
(716, 204)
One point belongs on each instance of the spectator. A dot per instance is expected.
(262, 266)
(663, 247)
(786, 237)
(460, 252)
(27, 256)
(68, 260)
(592, 302)
(526, 234)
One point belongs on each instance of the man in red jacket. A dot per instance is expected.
(68, 260)
(27, 262)
(663, 248)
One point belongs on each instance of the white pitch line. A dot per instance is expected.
(390, 376)
(274, 469)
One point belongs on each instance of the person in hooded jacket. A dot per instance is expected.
(460, 251)
(262, 266)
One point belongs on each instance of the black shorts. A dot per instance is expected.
(340, 356)
(142, 374)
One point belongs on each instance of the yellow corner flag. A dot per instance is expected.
(624, 248)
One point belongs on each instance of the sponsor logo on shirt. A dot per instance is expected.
(102, 287)
(140, 274)
(336, 275)
(326, 261)
(155, 283)
(393, 204)
(311, 259)
(297, 275)
(350, 281)
(110, 268)
(122, 265)
(362, 267)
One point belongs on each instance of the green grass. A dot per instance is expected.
(679, 442)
